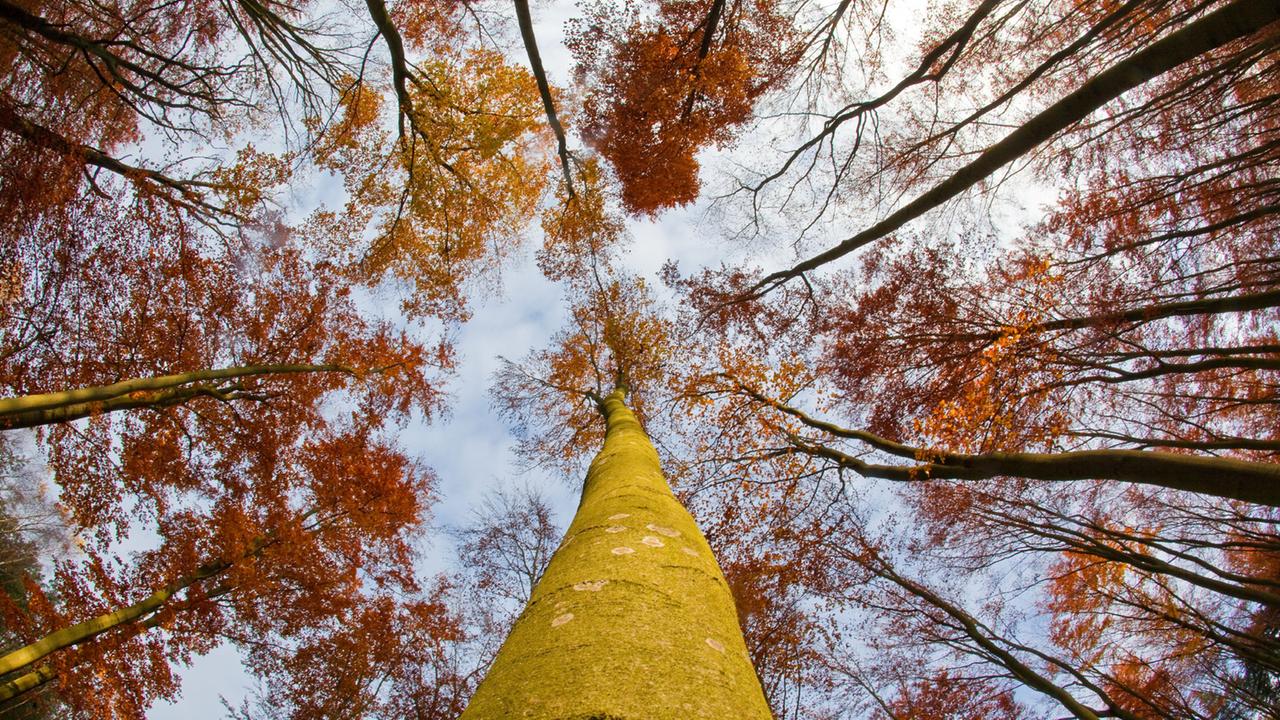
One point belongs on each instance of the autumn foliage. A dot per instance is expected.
(666, 86)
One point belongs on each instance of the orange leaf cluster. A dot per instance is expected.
(664, 88)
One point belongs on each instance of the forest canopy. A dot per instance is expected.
(952, 324)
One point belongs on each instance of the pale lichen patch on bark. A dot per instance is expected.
(661, 530)
(591, 585)
(561, 619)
(624, 550)
(715, 644)
(615, 529)
(619, 516)
(651, 541)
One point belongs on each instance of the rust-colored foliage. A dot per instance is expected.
(782, 634)
(304, 505)
(383, 657)
(1135, 314)
(86, 82)
(1134, 319)
(131, 284)
(945, 697)
(662, 88)
(290, 557)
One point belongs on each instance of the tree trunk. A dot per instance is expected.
(633, 618)
(89, 629)
(1227, 24)
(28, 411)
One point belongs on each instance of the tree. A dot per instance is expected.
(31, 530)
(466, 183)
(196, 381)
(1133, 319)
(387, 657)
(273, 562)
(1064, 433)
(1220, 35)
(508, 543)
(221, 388)
(89, 81)
(607, 629)
(419, 655)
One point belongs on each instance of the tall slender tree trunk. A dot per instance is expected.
(28, 411)
(633, 618)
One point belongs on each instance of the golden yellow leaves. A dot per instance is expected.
(1006, 384)
(448, 199)
(245, 183)
(618, 337)
(474, 177)
(578, 230)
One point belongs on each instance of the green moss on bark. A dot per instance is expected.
(633, 618)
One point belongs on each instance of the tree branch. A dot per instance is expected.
(525, 20)
(1237, 20)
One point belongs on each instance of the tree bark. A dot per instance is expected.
(1225, 477)
(525, 20)
(633, 618)
(399, 66)
(46, 672)
(1252, 482)
(26, 683)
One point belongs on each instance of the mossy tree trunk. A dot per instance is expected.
(633, 618)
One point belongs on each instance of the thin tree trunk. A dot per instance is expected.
(1255, 482)
(93, 627)
(1144, 314)
(1229, 23)
(704, 49)
(399, 65)
(42, 674)
(1252, 482)
(26, 683)
(633, 618)
(162, 390)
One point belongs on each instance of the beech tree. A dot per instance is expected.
(1134, 321)
(195, 378)
(86, 82)
(30, 529)
(508, 542)
(182, 380)
(615, 612)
